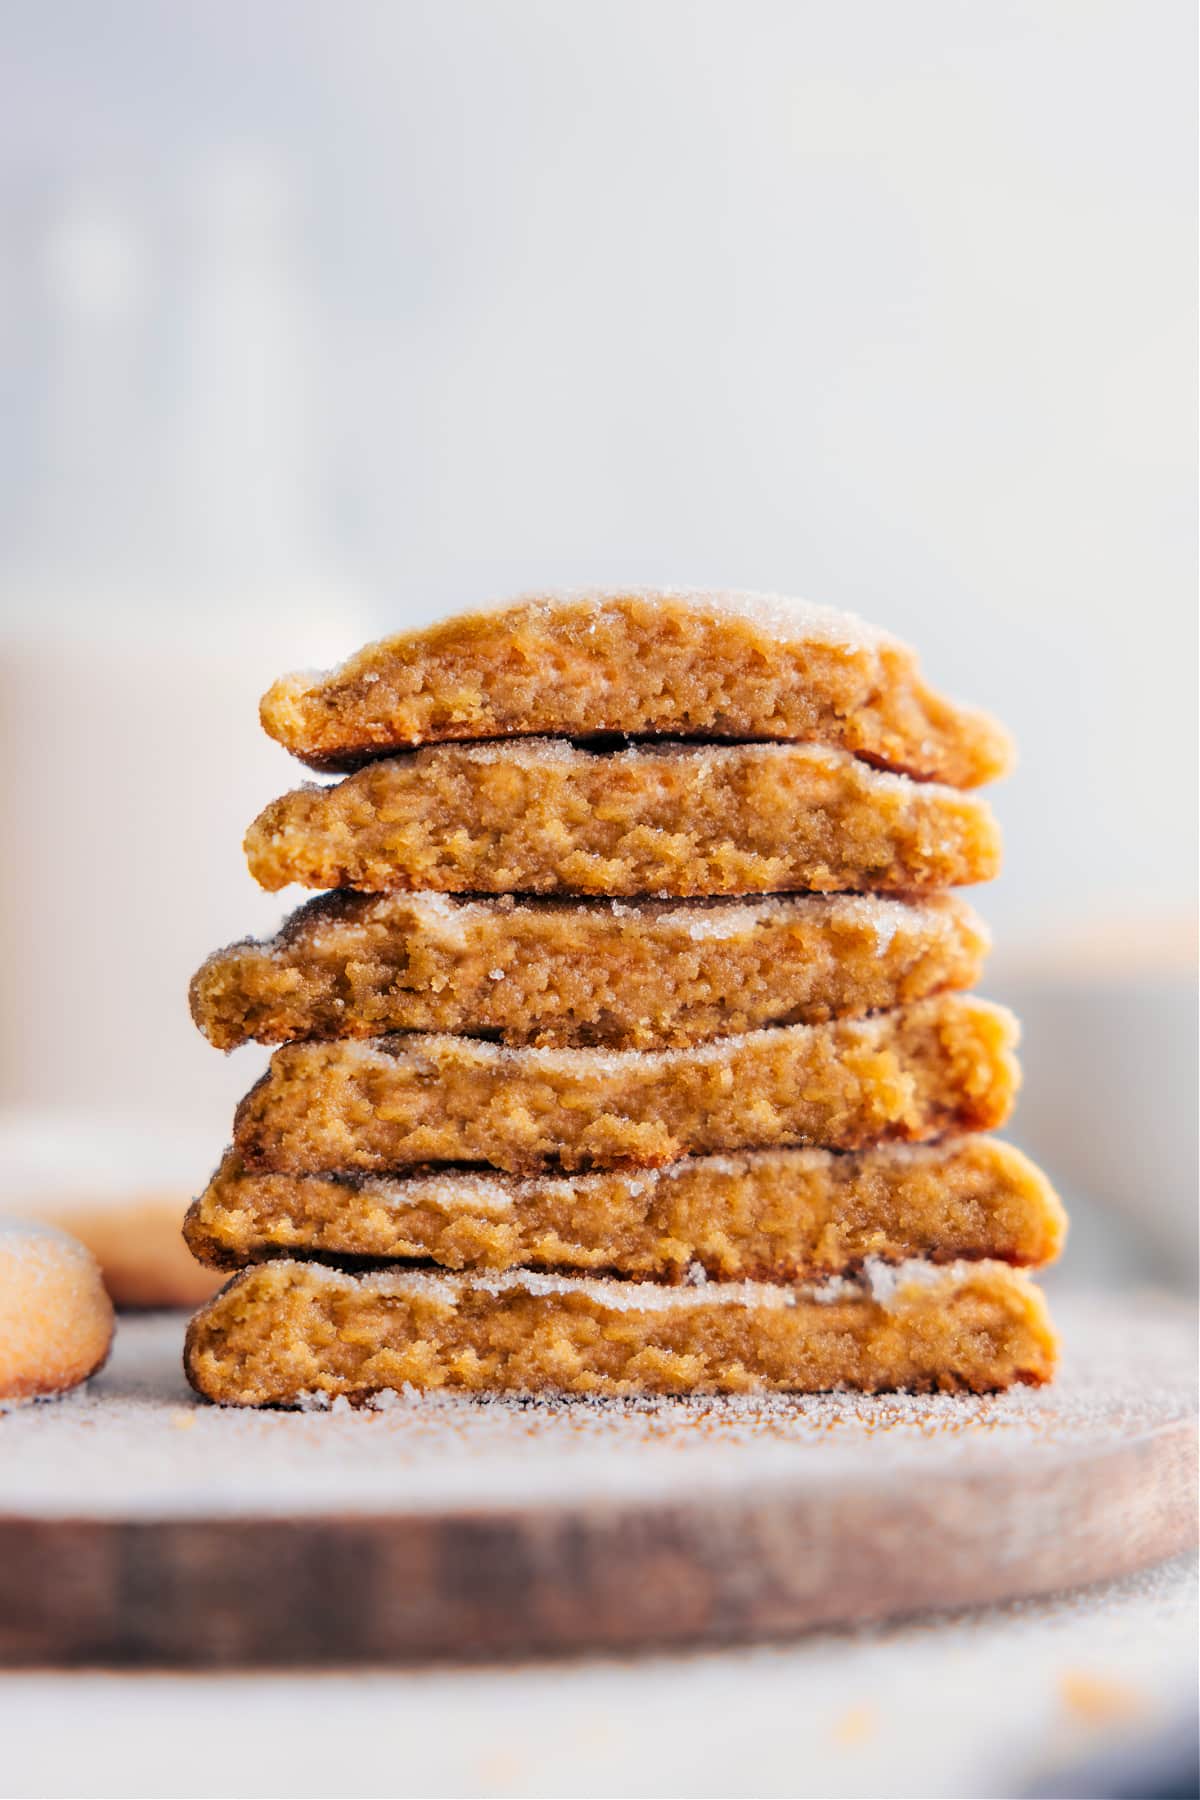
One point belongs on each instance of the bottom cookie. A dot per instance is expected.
(293, 1334)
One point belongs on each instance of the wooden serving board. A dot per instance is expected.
(139, 1526)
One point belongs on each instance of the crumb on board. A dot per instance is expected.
(857, 1725)
(1100, 1699)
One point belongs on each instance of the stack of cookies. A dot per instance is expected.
(631, 1051)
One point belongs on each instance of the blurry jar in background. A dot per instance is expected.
(163, 570)
(135, 762)
(1108, 1100)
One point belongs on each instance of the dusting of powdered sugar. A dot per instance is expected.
(889, 1282)
(700, 760)
(331, 923)
(441, 916)
(703, 923)
(139, 1444)
(611, 1294)
(489, 1196)
(427, 1052)
(888, 1285)
(494, 1194)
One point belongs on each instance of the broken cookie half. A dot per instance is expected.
(938, 1066)
(542, 816)
(770, 1215)
(649, 663)
(293, 1334)
(640, 974)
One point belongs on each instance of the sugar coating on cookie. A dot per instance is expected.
(674, 662)
(542, 816)
(56, 1319)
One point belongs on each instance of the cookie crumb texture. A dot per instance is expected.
(770, 1215)
(638, 975)
(938, 1066)
(288, 1334)
(542, 816)
(667, 662)
(56, 1320)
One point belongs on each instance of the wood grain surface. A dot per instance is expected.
(138, 1527)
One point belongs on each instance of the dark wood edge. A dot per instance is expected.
(610, 1577)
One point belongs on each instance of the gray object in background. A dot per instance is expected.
(1108, 1101)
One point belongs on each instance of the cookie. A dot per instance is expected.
(634, 975)
(137, 1242)
(777, 1215)
(118, 1184)
(542, 816)
(56, 1321)
(288, 1333)
(668, 663)
(937, 1066)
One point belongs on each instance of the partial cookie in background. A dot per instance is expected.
(542, 816)
(672, 662)
(138, 1245)
(767, 1215)
(288, 1333)
(56, 1320)
(640, 974)
(940, 1065)
(119, 1189)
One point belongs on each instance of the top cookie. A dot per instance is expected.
(667, 662)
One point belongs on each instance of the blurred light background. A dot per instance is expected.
(317, 320)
